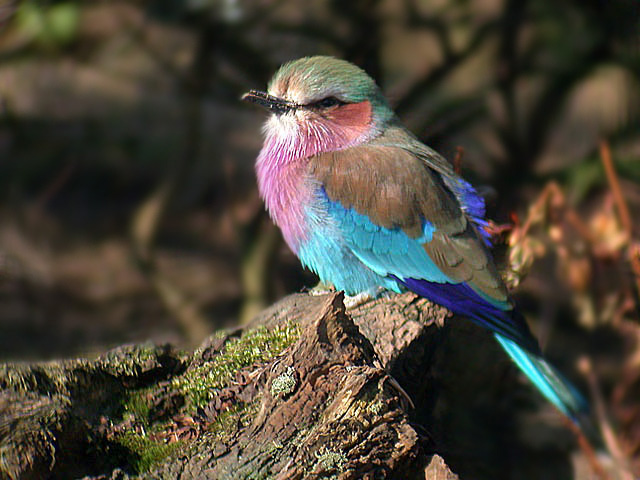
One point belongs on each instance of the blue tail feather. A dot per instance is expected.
(511, 330)
(547, 379)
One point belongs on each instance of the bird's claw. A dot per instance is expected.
(351, 302)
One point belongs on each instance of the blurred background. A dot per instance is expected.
(128, 203)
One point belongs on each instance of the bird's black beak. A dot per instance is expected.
(275, 104)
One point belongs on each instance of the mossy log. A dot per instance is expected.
(306, 390)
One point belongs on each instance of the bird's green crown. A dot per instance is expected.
(309, 80)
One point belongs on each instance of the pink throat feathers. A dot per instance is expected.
(291, 139)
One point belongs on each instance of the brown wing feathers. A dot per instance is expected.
(397, 189)
(388, 184)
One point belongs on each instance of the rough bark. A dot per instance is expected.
(304, 391)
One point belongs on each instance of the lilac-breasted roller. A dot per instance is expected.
(365, 205)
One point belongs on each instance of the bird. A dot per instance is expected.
(368, 207)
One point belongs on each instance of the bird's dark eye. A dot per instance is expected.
(327, 102)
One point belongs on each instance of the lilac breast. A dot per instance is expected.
(286, 192)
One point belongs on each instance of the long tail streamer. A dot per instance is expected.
(547, 379)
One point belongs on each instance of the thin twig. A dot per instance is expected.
(552, 196)
(634, 259)
(457, 159)
(588, 450)
(608, 435)
(614, 183)
(633, 250)
(56, 184)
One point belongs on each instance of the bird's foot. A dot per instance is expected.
(351, 302)
(321, 289)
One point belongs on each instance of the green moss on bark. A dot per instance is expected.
(144, 453)
(257, 346)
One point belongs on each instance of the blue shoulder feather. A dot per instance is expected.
(471, 202)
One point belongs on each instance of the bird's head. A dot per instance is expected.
(320, 104)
